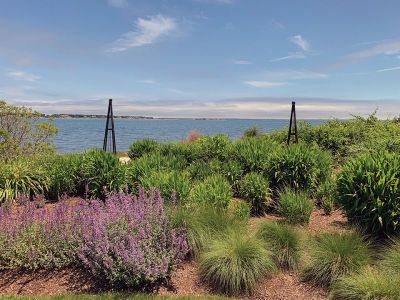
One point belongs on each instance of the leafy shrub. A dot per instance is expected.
(254, 188)
(22, 177)
(199, 169)
(253, 154)
(369, 284)
(239, 208)
(300, 167)
(326, 195)
(173, 185)
(203, 224)
(235, 263)
(336, 254)
(63, 171)
(101, 173)
(142, 147)
(295, 207)
(284, 241)
(252, 132)
(369, 191)
(193, 135)
(209, 147)
(214, 190)
(139, 169)
(233, 172)
(33, 238)
(182, 151)
(128, 242)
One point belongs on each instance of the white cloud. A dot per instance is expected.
(20, 75)
(301, 42)
(296, 55)
(242, 62)
(147, 31)
(265, 84)
(389, 69)
(118, 3)
(294, 75)
(147, 81)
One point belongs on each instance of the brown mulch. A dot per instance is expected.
(46, 282)
(287, 286)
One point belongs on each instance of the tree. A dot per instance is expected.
(23, 132)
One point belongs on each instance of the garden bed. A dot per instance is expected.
(185, 281)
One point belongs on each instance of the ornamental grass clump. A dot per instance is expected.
(234, 263)
(128, 242)
(369, 284)
(284, 242)
(142, 147)
(295, 207)
(334, 255)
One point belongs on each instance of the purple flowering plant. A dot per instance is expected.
(125, 240)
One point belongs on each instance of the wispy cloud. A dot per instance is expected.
(242, 62)
(24, 76)
(301, 42)
(389, 69)
(265, 84)
(295, 55)
(294, 75)
(383, 48)
(147, 31)
(148, 81)
(276, 24)
(118, 3)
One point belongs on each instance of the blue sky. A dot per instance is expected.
(216, 58)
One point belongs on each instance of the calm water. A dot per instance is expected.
(81, 134)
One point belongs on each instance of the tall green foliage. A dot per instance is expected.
(369, 191)
(254, 188)
(142, 147)
(214, 191)
(101, 173)
(22, 177)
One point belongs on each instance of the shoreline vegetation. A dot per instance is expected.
(206, 217)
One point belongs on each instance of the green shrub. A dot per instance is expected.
(142, 147)
(171, 184)
(300, 167)
(295, 207)
(101, 173)
(63, 171)
(253, 154)
(139, 169)
(252, 132)
(239, 208)
(369, 284)
(22, 177)
(326, 195)
(254, 188)
(210, 147)
(233, 172)
(235, 263)
(369, 191)
(284, 241)
(199, 169)
(204, 224)
(214, 191)
(334, 255)
(178, 149)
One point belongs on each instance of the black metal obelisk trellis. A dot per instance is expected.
(110, 127)
(293, 125)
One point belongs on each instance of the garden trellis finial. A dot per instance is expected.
(293, 125)
(110, 127)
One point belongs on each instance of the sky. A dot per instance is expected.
(202, 58)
